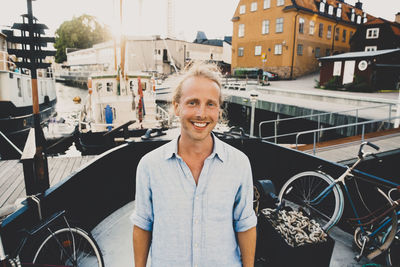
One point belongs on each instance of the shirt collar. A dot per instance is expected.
(171, 149)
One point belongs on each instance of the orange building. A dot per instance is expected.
(287, 36)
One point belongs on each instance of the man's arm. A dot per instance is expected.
(141, 246)
(247, 245)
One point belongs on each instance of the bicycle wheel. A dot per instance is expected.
(69, 247)
(393, 252)
(299, 191)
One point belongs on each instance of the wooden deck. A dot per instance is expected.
(12, 186)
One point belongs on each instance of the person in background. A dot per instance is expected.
(194, 195)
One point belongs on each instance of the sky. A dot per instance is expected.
(211, 16)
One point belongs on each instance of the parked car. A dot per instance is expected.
(272, 76)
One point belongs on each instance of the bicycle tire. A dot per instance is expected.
(69, 246)
(392, 255)
(302, 187)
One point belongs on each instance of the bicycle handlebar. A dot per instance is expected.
(361, 153)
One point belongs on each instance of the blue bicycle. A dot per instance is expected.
(320, 196)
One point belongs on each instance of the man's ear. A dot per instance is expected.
(176, 108)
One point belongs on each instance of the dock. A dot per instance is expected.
(12, 186)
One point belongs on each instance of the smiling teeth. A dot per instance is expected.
(199, 124)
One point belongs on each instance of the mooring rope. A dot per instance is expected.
(294, 227)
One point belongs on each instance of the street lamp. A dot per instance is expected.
(253, 101)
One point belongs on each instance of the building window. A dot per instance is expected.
(300, 49)
(329, 32)
(327, 52)
(99, 86)
(301, 25)
(241, 30)
(351, 35)
(280, 2)
(321, 30)
(353, 15)
(365, 20)
(372, 33)
(317, 52)
(371, 48)
(337, 33)
(312, 27)
(240, 52)
(265, 27)
(339, 11)
(330, 10)
(322, 6)
(344, 35)
(279, 25)
(253, 6)
(278, 49)
(358, 19)
(242, 9)
(109, 87)
(257, 50)
(267, 4)
(28, 86)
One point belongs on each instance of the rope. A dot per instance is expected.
(295, 228)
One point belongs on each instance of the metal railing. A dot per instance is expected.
(164, 115)
(11, 143)
(314, 132)
(319, 115)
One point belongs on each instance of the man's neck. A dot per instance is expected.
(200, 149)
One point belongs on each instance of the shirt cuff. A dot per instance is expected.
(245, 224)
(141, 223)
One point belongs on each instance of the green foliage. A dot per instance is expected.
(359, 84)
(333, 83)
(80, 32)
(317, 84)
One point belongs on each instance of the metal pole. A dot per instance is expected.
(362, 134)
(276, 128)
(314, 143)
(397, 121)
(319, 124)
(356, 131)
(253, 109)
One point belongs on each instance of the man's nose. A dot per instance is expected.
(201, 110)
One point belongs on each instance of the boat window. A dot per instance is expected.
(99, 86)
(41, 88)
(19, 87)
(131, 85)
(29, 89)
(109, 87)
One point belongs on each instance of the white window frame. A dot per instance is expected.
(312, 27)
(253, 6)
(358, 19)
(372, 33)
(240, 51)
(267, 4)
(278, 49)
(280, 2)
(241, 30)
(329, 32)
(371, 48)
(330, 10)
(279, 25)
(302, 23)
(265, 27)
(242, 9)
(322, 7)
(257, 50)
(339, 11)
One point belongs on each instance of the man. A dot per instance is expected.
(194, 195)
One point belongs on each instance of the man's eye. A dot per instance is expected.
(191, 103)
(211, 104)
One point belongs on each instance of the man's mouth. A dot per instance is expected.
(200, 124)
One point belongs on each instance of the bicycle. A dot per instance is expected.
(52, 242)
(321, 197)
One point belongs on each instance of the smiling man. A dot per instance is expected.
(194, 195)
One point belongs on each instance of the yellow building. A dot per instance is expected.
(287, 36)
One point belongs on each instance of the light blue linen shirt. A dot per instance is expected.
(194, 226)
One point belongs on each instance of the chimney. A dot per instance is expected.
(359, 5)
(397, 18)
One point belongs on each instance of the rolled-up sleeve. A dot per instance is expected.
(244, 217)
(143, 215)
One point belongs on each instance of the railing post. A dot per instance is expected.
(356, 130)
(297, 139)
(319, 124)
(314, 143)
(390, 115)
(362, 134)
(276, 128)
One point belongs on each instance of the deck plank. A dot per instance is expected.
(11, 173)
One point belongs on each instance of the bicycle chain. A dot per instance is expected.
(294, 227)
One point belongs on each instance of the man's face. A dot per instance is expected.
(199, 108)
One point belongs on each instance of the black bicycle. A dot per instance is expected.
(52, 242)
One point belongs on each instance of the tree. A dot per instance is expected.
(80, 33)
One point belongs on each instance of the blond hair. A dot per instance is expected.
(205, 70)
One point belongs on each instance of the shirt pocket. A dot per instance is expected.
(220, 205)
